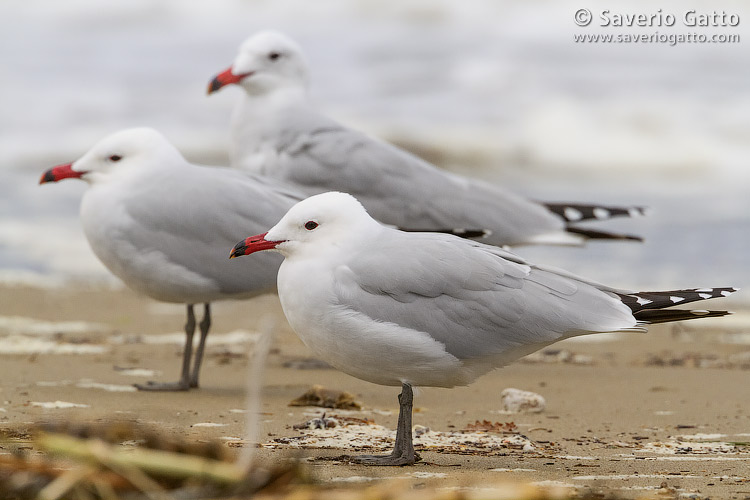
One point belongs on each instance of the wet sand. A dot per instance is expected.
(663, 412)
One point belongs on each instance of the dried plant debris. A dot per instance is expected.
(14, 441)
(739, 360)
(136, 434)
(487, 426)
(7, 435)
(124, 460)
(357, 435)
(686, 445)
(111, 462)
(306, 364)
(321, 422)
(327, 398)
(558, 356)
(362, 488)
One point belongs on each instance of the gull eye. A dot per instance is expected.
(273, 56)
(310, 225)
(114, 158)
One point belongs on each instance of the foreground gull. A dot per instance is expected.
(145, 204)
(277, 132)
(397, 308)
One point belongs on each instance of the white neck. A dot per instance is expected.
(257, 123)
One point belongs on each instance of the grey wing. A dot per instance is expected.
(399, 188)
(468, 297)
(201, 216)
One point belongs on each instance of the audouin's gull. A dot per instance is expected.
(398, 308)
(277, 132)
(146, 205)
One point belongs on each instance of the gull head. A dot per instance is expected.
(116, 155)
(321, 224)
(266, 61)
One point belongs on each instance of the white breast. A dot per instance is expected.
(382, 353)
(107, 227)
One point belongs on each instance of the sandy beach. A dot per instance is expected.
(503, 91)
(665, 412)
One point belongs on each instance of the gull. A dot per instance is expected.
(145, 203)
(277, 132)
(428, 309)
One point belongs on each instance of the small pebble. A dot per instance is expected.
(518, 401)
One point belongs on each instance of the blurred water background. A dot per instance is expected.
(490, 88)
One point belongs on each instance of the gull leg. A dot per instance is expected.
(184, 383)
(205, 325)
(403, 450)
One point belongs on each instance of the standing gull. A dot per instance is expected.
(144, 205)
(276, 132)
(397, 308)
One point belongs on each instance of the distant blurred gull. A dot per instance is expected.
(163, 225)
(397, 308)
(277, 132)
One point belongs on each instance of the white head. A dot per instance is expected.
(118, 154)
(267, 61)
(315, 225)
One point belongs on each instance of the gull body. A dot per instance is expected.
(145, 203)
(398, 308)
(277, 132)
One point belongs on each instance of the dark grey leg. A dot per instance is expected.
(205, 325)
(184, 383)
(403, 450)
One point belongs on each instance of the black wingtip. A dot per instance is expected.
(654, 316)
(471, 234)
(602, 235)
(652, 307)
(641, 301)
(577, 212)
